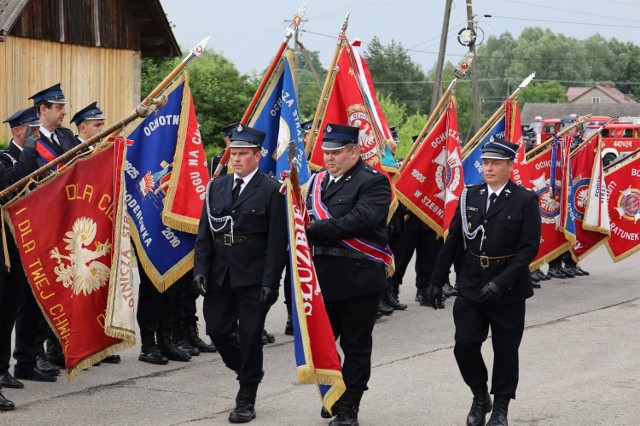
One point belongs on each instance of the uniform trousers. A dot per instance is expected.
(352, 321)
(21, 310)
(224, 307)
(403, 245)
(472, 321)
(155, 309)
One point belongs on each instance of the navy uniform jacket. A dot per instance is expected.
(18, 163)
(67, 141)
(512, 227)
(259, 213)
(359, 203)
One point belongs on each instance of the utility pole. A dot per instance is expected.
(474, 70)
(437, 84)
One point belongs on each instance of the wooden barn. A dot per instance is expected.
(93, 47)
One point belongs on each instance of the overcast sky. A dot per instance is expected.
(248, 32)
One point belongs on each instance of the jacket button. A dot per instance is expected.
(485, 221)
(233, 211)
(253, 210)
(508, 217)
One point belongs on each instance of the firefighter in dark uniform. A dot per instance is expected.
(241, 250)
(89, 121)
(55, 141)
(498, 225)
(19, 159)
(357, 198)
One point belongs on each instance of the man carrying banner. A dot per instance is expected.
(498, 225)
(240, 252)
(350, 203)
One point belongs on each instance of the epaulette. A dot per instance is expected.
(473, 185)
(370, 169)
(523, 187)
(275, 179)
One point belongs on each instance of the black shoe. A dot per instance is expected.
(384, 309)
(54, 352)
(449, 291)
(567, 272)
(500, 409)
(35, 375)
(168, 348)
(245, 403)
(378, 315)
(5, 404)
(8, 381)
(480, 406)
(288, 328)
(191, 331)
(392, 302)
(346, 409)
(535, 284)
(418, 295)
(582, 271)
(267, 337)
(556, 273)
(152, 355)
(112, 359)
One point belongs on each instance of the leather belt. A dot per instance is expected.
(486, 261)
(337, 251)
(233, 239)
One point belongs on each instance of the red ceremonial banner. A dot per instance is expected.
(67, 249)
(431, 183)
(552, 240)
(188, 184)
(513, 132)
(314, 342)
(623, 190)
(347, 106)
(587, 194)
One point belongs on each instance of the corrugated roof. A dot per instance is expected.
(531, 110)
(574, 93)
(152, 26)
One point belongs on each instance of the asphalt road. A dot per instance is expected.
(579, 365)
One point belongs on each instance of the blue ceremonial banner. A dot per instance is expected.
(165, 253)
(277, 115)
(472, 163)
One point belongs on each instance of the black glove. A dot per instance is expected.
(199, 285)
(30, 141)
(490, 293)
(311, 228)
(268, 297)
(435, 296)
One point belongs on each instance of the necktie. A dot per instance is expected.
(492, 199)
(331, 182)
(54, 138)
(236, 189)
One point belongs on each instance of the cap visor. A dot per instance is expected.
(242, 144)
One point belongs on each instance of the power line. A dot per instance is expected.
(591, 24)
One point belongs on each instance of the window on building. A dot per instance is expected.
(595, 99)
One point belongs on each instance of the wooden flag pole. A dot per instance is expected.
(458, 73)
(291, 30)
(328, 82)
(491, 121)
(148, 105)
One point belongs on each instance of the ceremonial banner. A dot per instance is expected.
(347, 105)
(369, 95)
(314, 343)
(552, 240)
(165, 208)
(68, 250)
(277, 115)
(563, 174)
(513, 132)
(431, 183)
(588, 199)
(471, 161)
(623, 191)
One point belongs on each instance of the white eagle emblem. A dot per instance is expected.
(84, 273)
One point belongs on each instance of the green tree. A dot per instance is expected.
(394, 73)
(548, 92)
(220, 93)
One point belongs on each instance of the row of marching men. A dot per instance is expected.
(168, 323)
